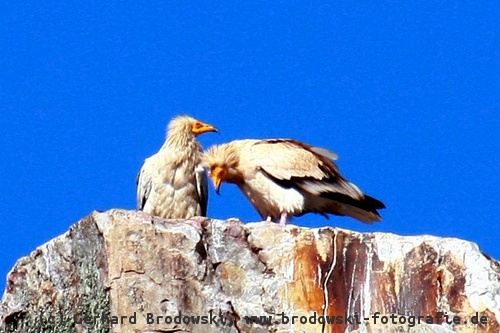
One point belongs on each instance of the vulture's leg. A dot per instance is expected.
(283, 218)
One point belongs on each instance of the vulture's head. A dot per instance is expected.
(222, 163)
(185, 125)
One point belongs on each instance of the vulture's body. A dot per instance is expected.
(171, 183)
(282, 178)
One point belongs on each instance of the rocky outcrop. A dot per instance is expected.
(124, 271)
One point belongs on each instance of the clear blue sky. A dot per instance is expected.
(406, 94)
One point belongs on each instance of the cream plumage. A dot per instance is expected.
(283, 178)
(171, 183)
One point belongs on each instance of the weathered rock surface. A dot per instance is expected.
(124, 263)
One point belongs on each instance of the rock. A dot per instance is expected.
(125, 271)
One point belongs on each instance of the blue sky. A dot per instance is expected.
(406, 94)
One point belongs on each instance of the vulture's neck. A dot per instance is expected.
(180, 140)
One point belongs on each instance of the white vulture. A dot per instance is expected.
(172, 183)
(284, 178)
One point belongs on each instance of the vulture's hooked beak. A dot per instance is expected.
(199, 128)
(217, 176)
(217, 184)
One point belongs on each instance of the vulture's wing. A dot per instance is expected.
(202, 188)
(291, 163)
(144, 185)
(325, 153)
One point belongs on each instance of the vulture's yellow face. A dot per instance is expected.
(198, 127)
(218, 174)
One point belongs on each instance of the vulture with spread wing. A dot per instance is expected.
(172, 183)
(284, 178)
